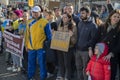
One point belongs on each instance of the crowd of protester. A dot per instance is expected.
(94, 48)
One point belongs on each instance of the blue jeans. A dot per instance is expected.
(32, 57)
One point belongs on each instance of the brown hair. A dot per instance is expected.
(108, 21)
(45, 9)
(71, 23)
(51, 13)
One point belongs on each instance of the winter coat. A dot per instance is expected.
(111, 38)
(86, 31)
(110, 7)
(99, 68)
(76, 19)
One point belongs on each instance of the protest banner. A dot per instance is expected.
(60, 41)
(14, 44)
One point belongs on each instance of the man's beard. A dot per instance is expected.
(84, 18)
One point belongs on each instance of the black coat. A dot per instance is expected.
(54, 26)
(111, 38)
(110, 8)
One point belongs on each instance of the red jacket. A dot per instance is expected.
(99, 69)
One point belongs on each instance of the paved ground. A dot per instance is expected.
(8, 75)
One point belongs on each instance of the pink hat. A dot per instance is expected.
(19, 13)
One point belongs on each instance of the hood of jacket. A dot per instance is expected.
(102, 55)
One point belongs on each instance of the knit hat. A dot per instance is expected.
(101, 47)
(19, 13)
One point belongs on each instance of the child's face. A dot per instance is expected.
(96, 50)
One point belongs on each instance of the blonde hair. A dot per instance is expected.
(51, 13)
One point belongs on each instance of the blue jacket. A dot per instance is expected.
(86, 34)
(76, 19)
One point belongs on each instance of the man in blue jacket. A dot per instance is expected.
(86, 33)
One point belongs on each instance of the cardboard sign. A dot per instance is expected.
(60, 41)
(14, 43)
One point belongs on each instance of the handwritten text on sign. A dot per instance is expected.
(60, 41)
(14, 43)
